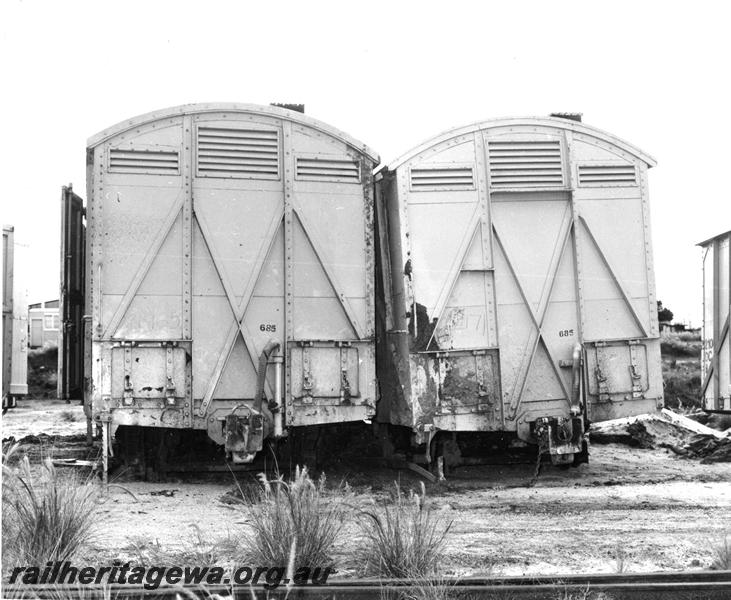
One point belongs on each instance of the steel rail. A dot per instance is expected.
(685, 585)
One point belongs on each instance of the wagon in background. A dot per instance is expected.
(716, 353)
(15, 326)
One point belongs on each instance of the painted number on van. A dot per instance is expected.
(565, 333)
(267, 327)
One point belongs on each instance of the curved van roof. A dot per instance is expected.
(519, 122)
(214, 107)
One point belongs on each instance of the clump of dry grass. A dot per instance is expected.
(722, 554)
(196, 549)
(428, 588)
(620, 559)
(689, 336)
(63, 592)
(67, 416)
(45, 517)
(678, 347)
(581, 595)
(403, 538)
(293, 514)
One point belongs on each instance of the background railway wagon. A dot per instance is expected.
(15, 326)
(228, 274)
(716, 359)
(518, 283)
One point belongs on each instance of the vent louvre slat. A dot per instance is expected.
(599, 175)
(435, 178)
(440, 175)
(119, 152)
(236, 151)
(137, 164)
(526, 150)
(427, 173)
(328, 169)
(525, 164)
(533, 181)
(230, 152)
(237, 169)
(328, 172)
(233, 143)
(231, 160)
(526, 168)
(238, 133)
(521, 158)
(607, 176)
(442, 182)
(156, 162)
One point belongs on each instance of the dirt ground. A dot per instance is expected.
(648, 509)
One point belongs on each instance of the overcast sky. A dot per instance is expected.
(391, 74)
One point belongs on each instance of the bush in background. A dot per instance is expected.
(42, 371)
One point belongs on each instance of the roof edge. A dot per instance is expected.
(517, 121)
(715, 237)
(211, 107)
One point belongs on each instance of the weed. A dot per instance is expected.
(620, 559)
(679, 348)
(67, 416)
(722, 554)
(295, 513)
(719, 422)
(404, 539)
(59, 592)
(690, 336)
(45, 517)
(42, 372)
(581, 595)
(426, 588)
(196, 550)
(147, 552)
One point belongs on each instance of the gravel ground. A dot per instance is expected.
(642, 510)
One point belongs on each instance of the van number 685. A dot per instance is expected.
(565, 333)
(267, 327)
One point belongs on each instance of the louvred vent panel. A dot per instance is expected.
(607, 175)
(439, 178)
(519, 164)
(328, 169)
(156, 162)
(233, 152)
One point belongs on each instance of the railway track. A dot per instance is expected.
(686, 585)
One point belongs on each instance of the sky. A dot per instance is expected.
(391, 74)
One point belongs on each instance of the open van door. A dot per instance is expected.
(71, 331)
